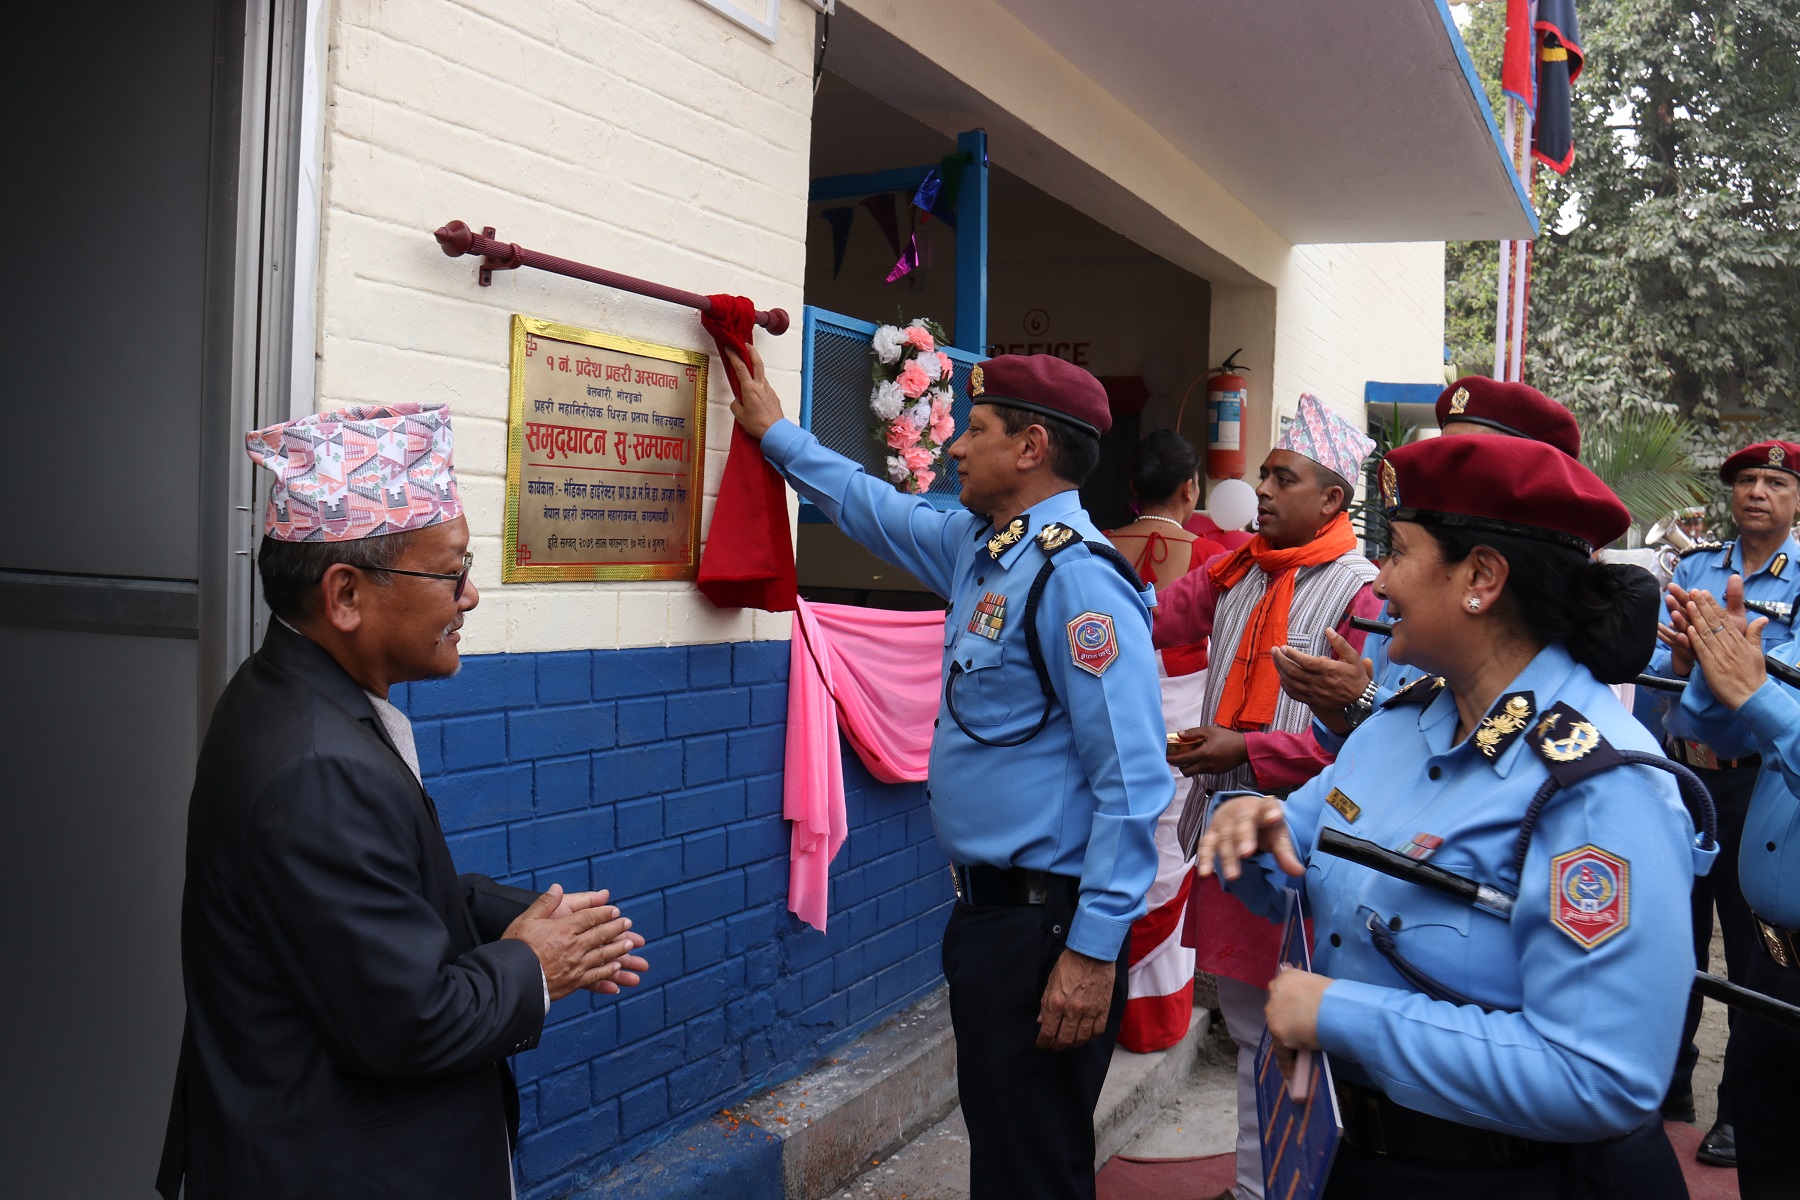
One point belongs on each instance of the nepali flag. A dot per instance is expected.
(1542, 60)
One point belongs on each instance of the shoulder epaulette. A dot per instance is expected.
(1418, 693)
(1056, 536)
(1701, 548)
(1571, 747)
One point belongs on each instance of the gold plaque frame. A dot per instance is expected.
(516, 568)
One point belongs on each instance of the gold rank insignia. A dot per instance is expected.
(1776, 456)
(1459, 402)
(1579, 742)
(1054, 537)
(1502, 724)
(1346, 807)
(1779, 565)
(977, 382)
(1390, 485)
(996, 545)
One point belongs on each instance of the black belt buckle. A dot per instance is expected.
(1779, 942)
(998, 887)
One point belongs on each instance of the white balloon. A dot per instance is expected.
(1232, 504)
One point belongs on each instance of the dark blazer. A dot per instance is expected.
(350, 1010)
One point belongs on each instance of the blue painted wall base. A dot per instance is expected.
(657, 773)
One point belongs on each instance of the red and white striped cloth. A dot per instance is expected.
(1159, 989)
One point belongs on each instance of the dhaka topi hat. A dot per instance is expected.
(357, 472)
(1774, 456)
(1513, 408)
(1503, 485)
(1327, 439)
(1046, 384)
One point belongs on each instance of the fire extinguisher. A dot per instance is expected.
(1226, 393)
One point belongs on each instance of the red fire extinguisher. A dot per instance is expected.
(1226, 393)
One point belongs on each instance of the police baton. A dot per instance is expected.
(1777, 670)
(1491, 899)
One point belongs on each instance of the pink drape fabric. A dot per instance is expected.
(874, 675)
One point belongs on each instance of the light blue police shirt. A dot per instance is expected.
(1768, 723)
(1776, 584)
(1083, 797)
(1592, 997)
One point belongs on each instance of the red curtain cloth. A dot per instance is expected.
(748, 561)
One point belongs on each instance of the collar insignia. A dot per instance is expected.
(1055, 536)
(977, 382)
(1580, 740)
(1014, 531)
(1418, 693)
(1390, 485)
(1503, 723)
(1459, 402)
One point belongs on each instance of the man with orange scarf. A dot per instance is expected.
(1299, 576)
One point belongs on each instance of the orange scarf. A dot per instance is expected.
(1251, 684)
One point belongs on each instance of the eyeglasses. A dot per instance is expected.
(462, 577)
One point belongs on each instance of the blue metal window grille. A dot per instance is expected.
(834, 397)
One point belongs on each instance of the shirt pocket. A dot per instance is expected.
(1430, 931)
(985, 692)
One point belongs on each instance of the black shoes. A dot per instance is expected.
(1719, 1147)
(1678, 1105)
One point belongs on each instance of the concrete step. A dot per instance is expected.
(935, 1164)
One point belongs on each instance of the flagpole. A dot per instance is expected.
(1503, 292)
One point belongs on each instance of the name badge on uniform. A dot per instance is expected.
(1346, 807)
(989, 616)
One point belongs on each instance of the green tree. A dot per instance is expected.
(1667, 275)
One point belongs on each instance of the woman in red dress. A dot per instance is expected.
(1165, 478)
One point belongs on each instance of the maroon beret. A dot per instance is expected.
(1778, 456)
(1505, 485)
(1511, 408)
(1043, 383)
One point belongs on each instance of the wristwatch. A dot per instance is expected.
(1359, 709)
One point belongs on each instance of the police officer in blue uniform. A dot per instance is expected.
(1480, 1055)
(1046, 776)
(1340, 690)
(1765, 492)
(1733, 706)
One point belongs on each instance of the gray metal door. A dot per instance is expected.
(134, 147)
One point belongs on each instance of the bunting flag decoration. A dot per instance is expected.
(839, 219)
(909, 259)
(1559, 61)
(926, 197)
(881, 207)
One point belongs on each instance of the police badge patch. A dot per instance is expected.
(1590, 895)
(1092, 643)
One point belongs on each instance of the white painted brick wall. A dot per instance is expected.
(652, 137)
(1348, 314)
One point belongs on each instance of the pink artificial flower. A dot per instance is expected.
(943, 424)
(923, 481)
(918, 458)
(920, 339)
(913, 380)
(901, 434)
(947, 365)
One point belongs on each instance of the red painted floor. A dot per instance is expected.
(1204, 1178)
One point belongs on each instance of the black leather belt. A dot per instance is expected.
(1779, 942)
(1377, 1125)
(1008, 887)
(1703, 757)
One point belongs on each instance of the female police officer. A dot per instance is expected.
(1479, 1055)
(1733, 703)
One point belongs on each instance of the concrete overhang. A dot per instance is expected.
(1331, 121)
